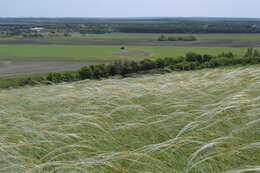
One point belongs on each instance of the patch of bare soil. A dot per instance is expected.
(133, 53)
(14, 68)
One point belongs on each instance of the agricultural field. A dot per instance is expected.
(181, 122)
(103, 53)
(69, 44)
(203, 40)
(23, 59)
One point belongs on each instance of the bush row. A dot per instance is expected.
(190, 61)
(177, 38)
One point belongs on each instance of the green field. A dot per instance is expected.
(100, 53)
(182, 122)
(156, 36)
(57, 52)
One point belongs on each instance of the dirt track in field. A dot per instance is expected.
(15, 68)
(137, 42)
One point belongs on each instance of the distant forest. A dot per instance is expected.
(17, 26)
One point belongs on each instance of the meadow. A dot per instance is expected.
(181, 122)
(102, 53)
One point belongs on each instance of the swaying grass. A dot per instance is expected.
(183, 122)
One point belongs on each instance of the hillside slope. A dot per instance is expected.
(190, 122)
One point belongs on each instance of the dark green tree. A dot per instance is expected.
(194, 57)
(86, 73)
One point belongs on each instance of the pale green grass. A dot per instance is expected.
(182, 122)
(101, 53)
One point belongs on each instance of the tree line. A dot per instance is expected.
(192, 27)
(135, 26)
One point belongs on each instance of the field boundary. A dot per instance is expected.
(139, 42)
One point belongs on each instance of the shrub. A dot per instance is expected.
(226, 55)
(169, 61)
(256, 53)
(160, 63)
(69, 76)
(147, 64)
(207, 58)
(210, 64)
(55, 77)
(185, 65)
(194, 57)
(162, 38)
(126, 68)
(134, 66)
(67, 34)
(27, 81)
(224, 61)
(249, 52)
(114, 69)
(86, 73)
(99, 71)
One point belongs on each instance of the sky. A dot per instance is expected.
(130, 8)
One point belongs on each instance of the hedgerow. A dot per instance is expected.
(191, 61)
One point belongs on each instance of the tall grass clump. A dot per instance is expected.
(181, 122)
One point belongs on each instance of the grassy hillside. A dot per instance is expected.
(182, 122)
